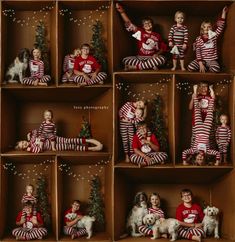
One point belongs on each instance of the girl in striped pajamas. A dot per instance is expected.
(146, 148)
(87, 69)
(190, 216)
(47, 130)
(68, 65)
(128, 120)
(150, 45)
(206, 46)
(36, 66)
(71, 217)
(155, 203)
(202, 131)
(178, 40)
(223, 137)
(30, 227)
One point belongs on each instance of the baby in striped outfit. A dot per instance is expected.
(223, 137)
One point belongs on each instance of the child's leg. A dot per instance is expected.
(30, 81)
(20, 233)
(174, 60)
(131, 61)
(53, 146)
(185, 153)
(213, 66)
(124, 131)
(37, 233)
(44, 80)
(79, 79)
(193, 66)
(138, 160)
(216, 154)
(182, 65)
(158, 157)
(145, 230)
(101, 76)
(152, 63)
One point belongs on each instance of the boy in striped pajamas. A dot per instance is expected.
(178, 40)
(223, 137)
(146, 148)
(128, 120)
(71, 217)
(68, 65)
(30, 227)
(150, 45)
(190, 216)
(87, 69)
(36, 66)
(206, 46)
(202, 131)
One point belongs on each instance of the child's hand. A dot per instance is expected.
(22, 220)
(28, 136)
(119, 8)
(202, 67)
(184, 46)
(171, 44)
(195, 87)
(86, 77)
(225, 10)
(34, 220)
(28, 149)
(93, 76)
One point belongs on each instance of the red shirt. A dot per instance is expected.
(136, 144)
(189, 215)
(87, 65)
(28, 218)
(66, 219)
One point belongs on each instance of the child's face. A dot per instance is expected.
(139, 104)
(28, 209)
(29, 189)
(203, 89)
(142, 129)
(179, 18)
(223, 119)
(147, 25)
(47, 116)
(200, 158)
(36, 53)
(206, 27)
(23, 144)
(154, 200)
(186, 197)
(85, 50)
(75, 206)
(138, 113)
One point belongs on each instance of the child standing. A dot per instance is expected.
(178, 40)
(68, 65)
(150, 45)
(36, 66)
(47, 130)
(190, 216)
(206, 46)
(223, 137)
(154, 207)
(87, 69)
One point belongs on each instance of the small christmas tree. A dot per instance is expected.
(43, 205)
(96, 204)
(157, 124)
(42, 44)
(98, 44)
(85, 131)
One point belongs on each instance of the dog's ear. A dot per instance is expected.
(144, 220)
(216, 210)
(21, 55)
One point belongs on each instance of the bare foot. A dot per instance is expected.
(42, 84)
(127, 158)
(185, 163)
(217, 163)
(197, 238)
(183, 69)
(173, 68)
(73, 236)
(130, 68)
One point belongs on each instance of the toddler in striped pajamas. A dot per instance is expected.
(36, 66)
(68, 65)
(223, 137)
(178, 40)
(47, 130)
(190, 216)
(150, 45)
(202, 132)
(87, 69)
(146, 148)
(129, 116)
(30, 227)
(71, 217)
(155, 203)
(206, 46)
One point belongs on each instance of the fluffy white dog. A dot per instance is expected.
(86, 222)
(166, 226)
(210, 222)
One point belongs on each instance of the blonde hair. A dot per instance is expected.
(40, 52)
(29, 185)
(17, 147)
(179, 12)
(156, 195)
(202, 25)
(50, 111)
(77, 50)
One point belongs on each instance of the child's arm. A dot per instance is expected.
(170, 37)
(185, 44)
(122, 12)
(65, 64)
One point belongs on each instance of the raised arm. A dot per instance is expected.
(122, 12)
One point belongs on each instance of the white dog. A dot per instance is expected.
(18, 68)
(86, 222)
(166, 226)
(210, 222)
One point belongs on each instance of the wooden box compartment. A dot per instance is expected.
(168, 183)
(74, 182)
(16, 173)
(24, 112)
(162, 13)
(75, 23)
(223, 86)
(130, 87)
(18, 31)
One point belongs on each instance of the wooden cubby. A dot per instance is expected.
(22, 107)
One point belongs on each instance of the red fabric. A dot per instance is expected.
(90, 63)
(70, 211)
(28, 218)
(136, 144)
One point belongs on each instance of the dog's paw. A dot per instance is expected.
(88, 237)
(217, 236)
(153, 238)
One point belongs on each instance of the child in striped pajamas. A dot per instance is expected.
(190, 216)
(155, 203)
(128, 120)
(202, 132)
(36, 66)
(178, 40)
(206, 46)
(146, 148)
(68, 65)
(150, 45)
(87, 69)
(71, 217)
(47, 130)
(223, 137)
(30, 227)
